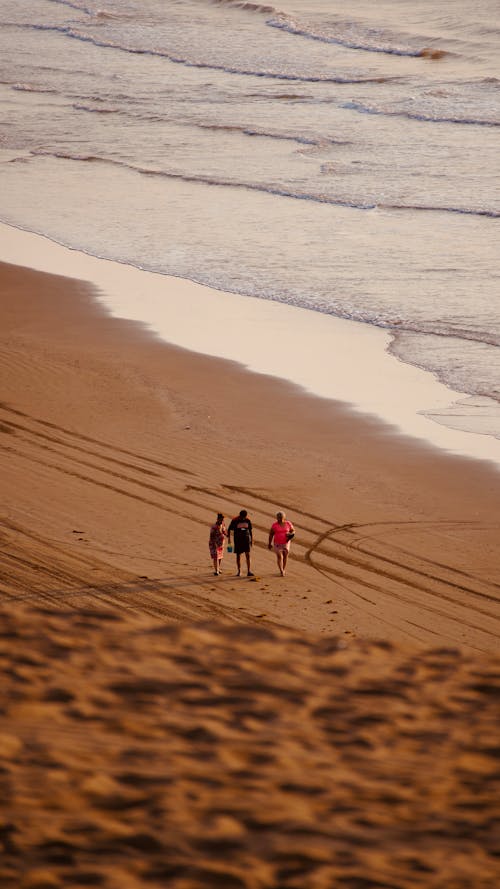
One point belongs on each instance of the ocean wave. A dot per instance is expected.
(261, 8)
(269, 189)
(428, 208)
(287, 97)
(99, 13)
(63, 155)
(419, 115)
(342, 34)
(81, 106)
(365, 40)
(206, 180)
(252, 132)
(76, 6)
(450, 355)
(74, 34)
(445, 332)
(29, 87)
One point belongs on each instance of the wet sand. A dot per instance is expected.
(334, 358)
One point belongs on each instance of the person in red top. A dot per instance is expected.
(281, 533)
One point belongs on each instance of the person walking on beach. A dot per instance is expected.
(281, 533)
(241, 527)
(216, 542)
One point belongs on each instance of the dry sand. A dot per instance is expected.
(372, 764)
(236, 757)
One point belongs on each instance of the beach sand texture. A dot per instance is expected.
(242, 757)
(279, 744)
(118, 451)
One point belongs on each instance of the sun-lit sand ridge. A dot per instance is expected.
(279, 744)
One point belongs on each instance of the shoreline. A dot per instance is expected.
(119, 450)
(335, 359)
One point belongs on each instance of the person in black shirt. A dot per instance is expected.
(241, 527)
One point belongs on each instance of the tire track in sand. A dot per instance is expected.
(367, 567)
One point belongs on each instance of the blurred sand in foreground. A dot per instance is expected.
(136, 755)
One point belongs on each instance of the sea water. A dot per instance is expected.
(341, 158)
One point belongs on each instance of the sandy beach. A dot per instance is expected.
(119, 450)
(164, 727)
(249, 260)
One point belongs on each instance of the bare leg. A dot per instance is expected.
(238, 564)
(216, 564)
(249, 571)
(285, 559)
(279, 559)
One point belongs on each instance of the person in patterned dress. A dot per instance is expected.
(216, 542)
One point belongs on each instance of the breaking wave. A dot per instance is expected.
(74, 34)
(285, 23)
(261, 8)
(95, 13)
(270, 189)
(420, 115)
